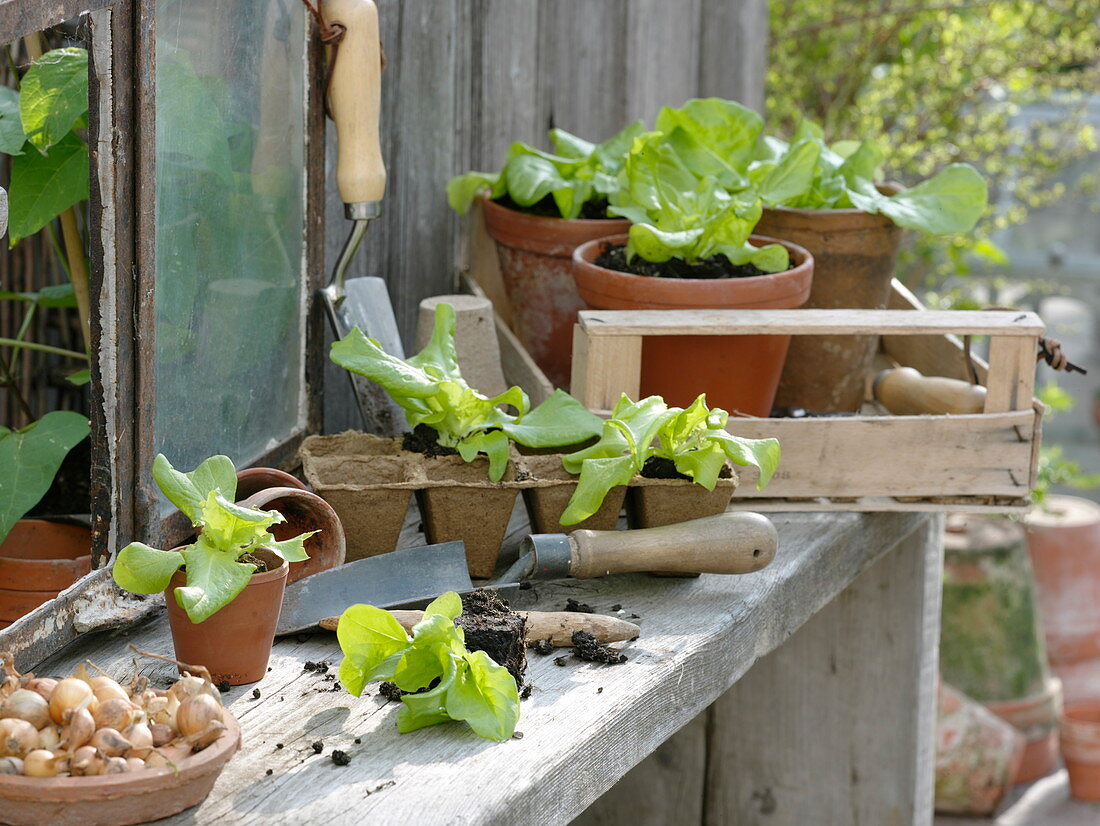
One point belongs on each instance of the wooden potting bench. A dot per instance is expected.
(801, 694)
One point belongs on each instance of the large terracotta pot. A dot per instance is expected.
(38, 560)
(738, 373)
(234, 643)
(1063, 537)
(536, 263)
(991, 639)
(854, 258)
(1081, 748)
(304, 512)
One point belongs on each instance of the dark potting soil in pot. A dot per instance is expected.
(251, 559)
(548, 208)
(425, 440)
(70, 491)
(658, 467)
(493, 627)
(717, 266)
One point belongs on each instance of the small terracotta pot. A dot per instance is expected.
(254, 479)
(855, 254)
(738, 373)
(1081, 748)
(536, 266)
(1063, 538)
(38, 560)
(1036, 718)
(304, 512)
(234, 643)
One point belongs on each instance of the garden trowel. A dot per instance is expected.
(729, 543)
(354, 99)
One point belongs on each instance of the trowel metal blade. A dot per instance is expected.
(413, 576)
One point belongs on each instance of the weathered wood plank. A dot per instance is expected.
(660, 69)
(699, 635)
(733, 50)
(823, 730)
(809, 322)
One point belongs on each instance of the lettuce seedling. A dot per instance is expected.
(215, 574)
(694, 440)
(577, 173)
(723, 140)
(675, 214)
(430, 389)
(470, 686)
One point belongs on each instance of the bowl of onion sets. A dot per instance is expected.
(88, 750)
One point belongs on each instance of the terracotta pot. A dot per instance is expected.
(38, 560)
(977, 755)
(738, 373)
(254, 479)
(855, 254)
(1063, 538)
(304, 512)
(1081, 748)
(991, 642)
(234, 643)
(118, 799)
(535, 255)
(1036, 718)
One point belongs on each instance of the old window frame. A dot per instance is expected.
(122, 114)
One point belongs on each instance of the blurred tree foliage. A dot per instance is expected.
(938, 82)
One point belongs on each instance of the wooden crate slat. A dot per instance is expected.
(988, 454)
(598, 323)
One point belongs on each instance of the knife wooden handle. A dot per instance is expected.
(905, 392)
(558, 626)
(354, 97)
(729, 543)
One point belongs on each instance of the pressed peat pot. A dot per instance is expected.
(552, 488)
(536, 266)
(117, 799)
(855, 254)
(234, 643)
(651, 503)
(458, 502)
(366, 479)
(738, 373)
(38, 560)
(304, 512)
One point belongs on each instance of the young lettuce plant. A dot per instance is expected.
(676, 214)
(693, 439)
(215, 574)
(721, 139)
(471, 686)
(578, 174)
(430, 389)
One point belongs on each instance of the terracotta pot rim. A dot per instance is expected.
(75, 560)
(490, 205)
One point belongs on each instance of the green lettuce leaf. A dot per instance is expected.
(484, 695)
(368, 636)
(189, 491)
(214, 578)
(144, 570)
(724, 129)
(951, 201)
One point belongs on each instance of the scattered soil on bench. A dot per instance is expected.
(492, 626)
(425, 440)
(544, 647)
(578, 607)
(586, 648)
(717, 266)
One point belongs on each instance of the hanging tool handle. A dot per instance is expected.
(729, 543)
(905, 392)
(354, 98)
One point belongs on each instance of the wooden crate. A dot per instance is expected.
(982, 462)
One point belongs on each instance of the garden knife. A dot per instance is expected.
(729, 543)
(354, 100)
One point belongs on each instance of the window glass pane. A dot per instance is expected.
(230, 134)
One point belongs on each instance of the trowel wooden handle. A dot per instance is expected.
(557, 626)
(905, 392)
(729, 543)
(355, 93)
